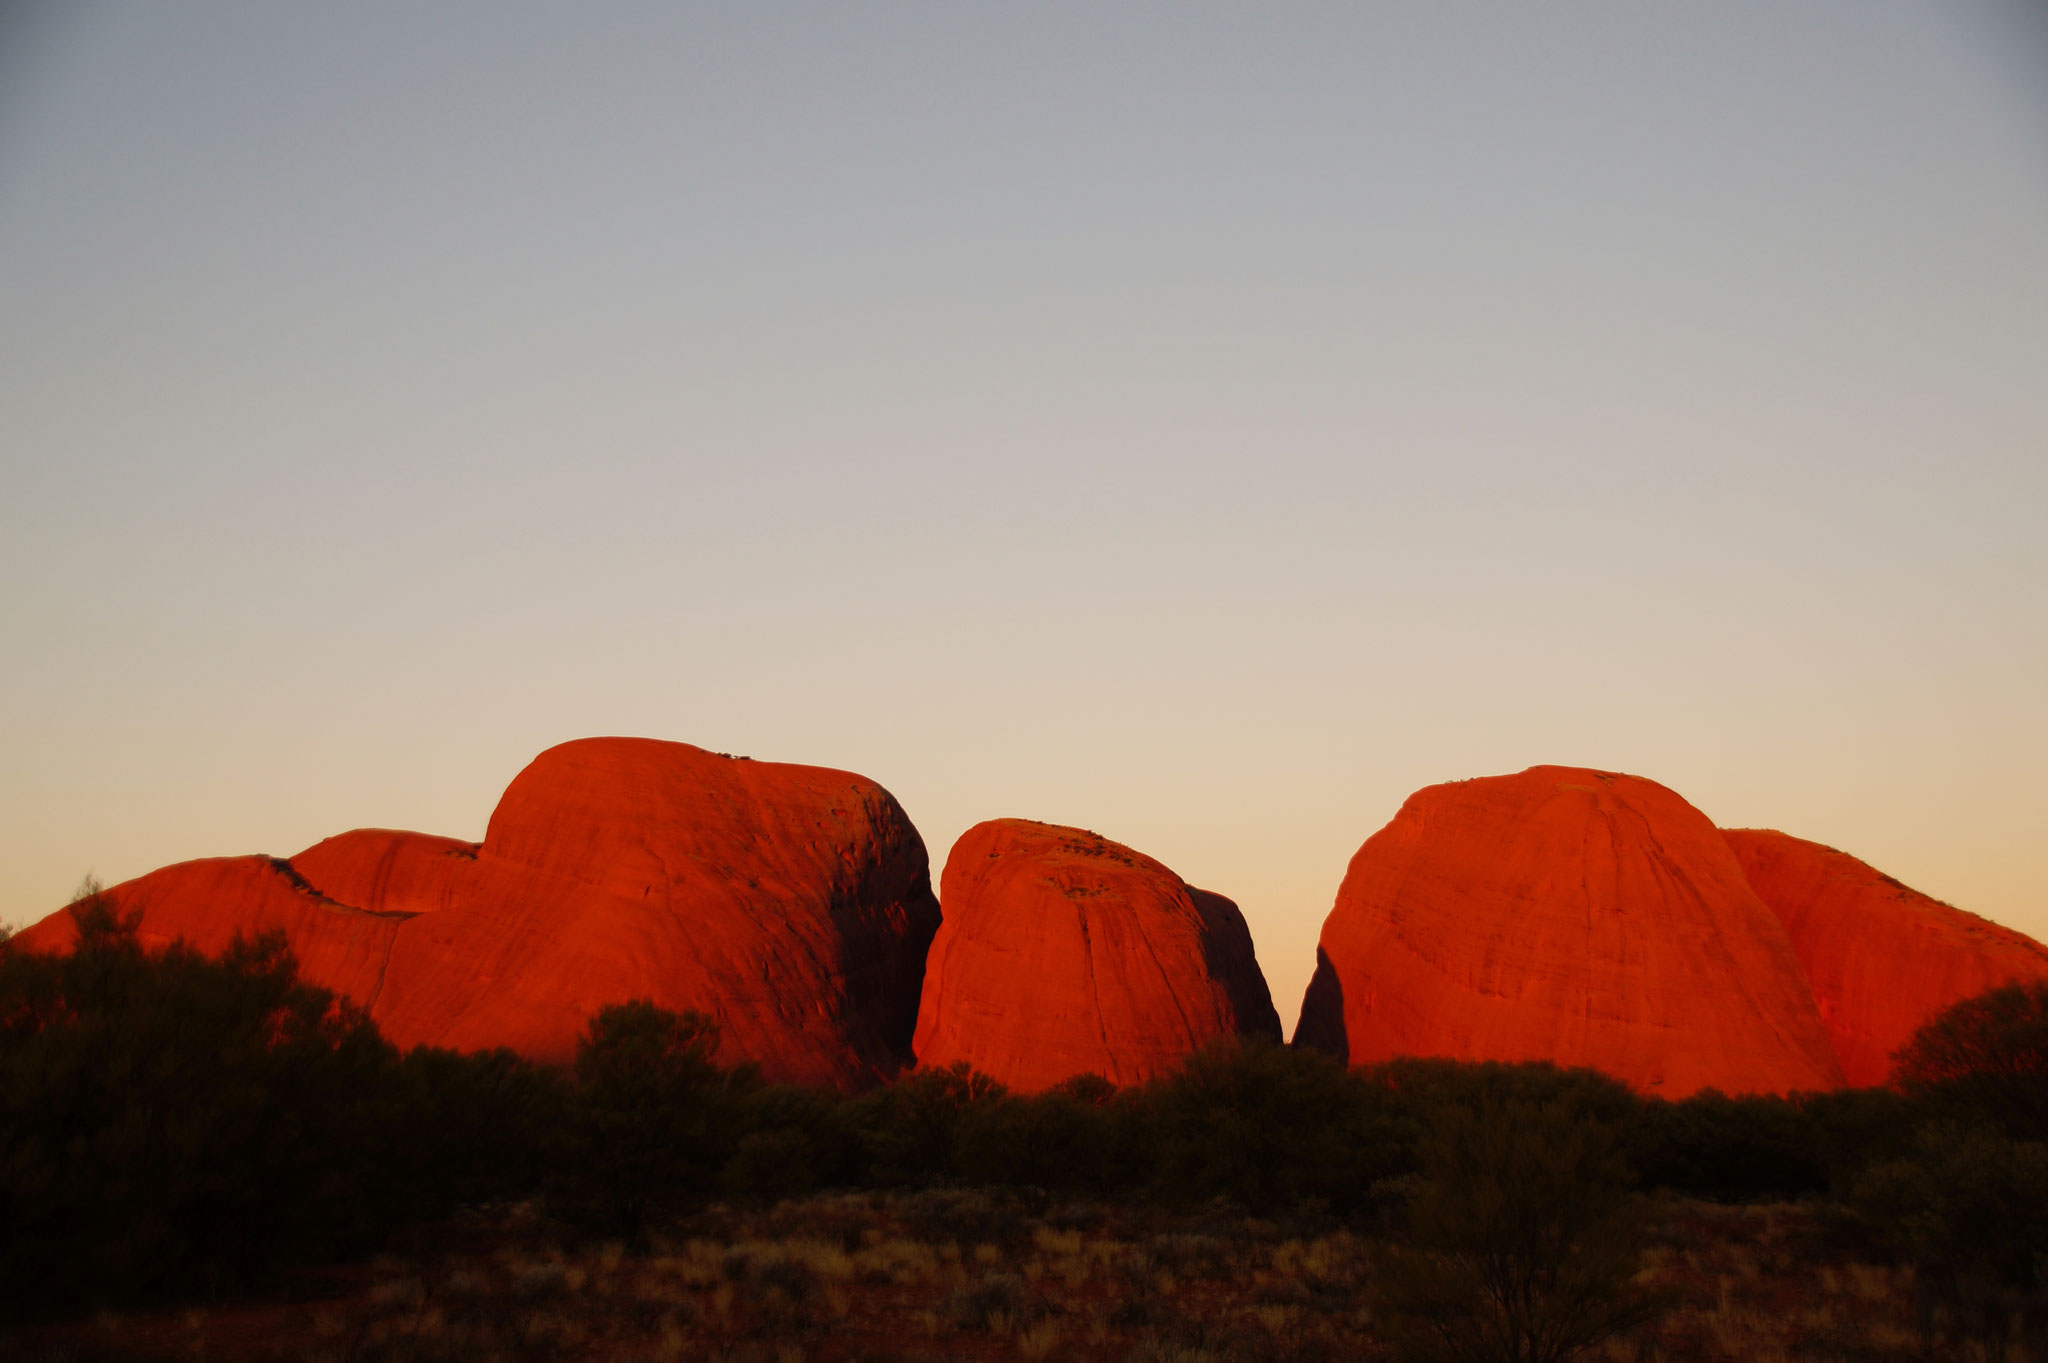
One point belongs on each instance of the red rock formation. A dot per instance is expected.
(384, 870)
(791, 903)
(209, 903)
(1561, 914)
(1881, 958)
(1063, 953)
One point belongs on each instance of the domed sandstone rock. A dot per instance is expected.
(1881, 958)
(793, 904)
(1063, 953)
(209, 903)
(1562, 914)
(385, 870)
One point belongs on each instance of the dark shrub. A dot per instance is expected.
(1749, 1149)
(966, 1216)
(171, 1123)
(1048, 1141)
(909, 1131)
(793, 1141)
(1968, 1208)
(1523, 1240)
(1266, 1127)
(472, 1127)
(656, 1117)
(1426, 1085)
(1985, 1058)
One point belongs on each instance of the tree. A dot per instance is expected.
(1269, 1128)
(1969, 1209)
(656, 1116)
(1986, 1058)
(171, 1122)
(1523, 1241)
(910, 1130)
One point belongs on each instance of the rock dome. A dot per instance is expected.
(793, 904)
(1571, 915)
(1881, 958)
(1063, 953)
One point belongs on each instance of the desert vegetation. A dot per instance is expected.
(209, 1158)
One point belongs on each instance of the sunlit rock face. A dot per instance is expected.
(1063, 953)
(210, 903)
(793, 904)
(1881, 958)
(1564, 914)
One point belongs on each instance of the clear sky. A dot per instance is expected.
(1205, 424)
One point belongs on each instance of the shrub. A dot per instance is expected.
(794, 1141)
(1969, 1210)
(1050, 1141)
(1266, 1127)
(1985, 1058)
(1749, 1149)
(1523, 1240)
(909, 1131)
(656, 1117)
(174, 1123)
(472, 1127)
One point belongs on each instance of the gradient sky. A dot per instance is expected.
(1204, 424)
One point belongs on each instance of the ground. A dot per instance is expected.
(957, 1275)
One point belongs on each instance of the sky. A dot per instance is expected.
(1205, 424)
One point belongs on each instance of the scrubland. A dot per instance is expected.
(973, 1274)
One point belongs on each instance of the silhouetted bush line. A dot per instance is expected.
(174, 1126)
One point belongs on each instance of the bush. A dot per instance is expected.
(1050, 1141)
(794, 1141)
(1969, 1210)
(1523, 1240)
(170, 1123)
(1427, 1085)
(1266, 1127)
(1985, 1059)
(1749, 1149)
(909, 1131)
(656, 1118)
(471, 1127)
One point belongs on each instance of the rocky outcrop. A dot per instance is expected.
(384, 870)
(210, 903)
(1881, 958)
(1063, 953)
(1563, 914)
(793, 904)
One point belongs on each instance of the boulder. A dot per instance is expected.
(792, 904)
(1063, 953)
(1881, 958)
(1563, 914)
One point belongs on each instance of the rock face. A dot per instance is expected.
(791, 903)
(1571, 915)
(1881, 959)
(1063, 953)
(209, 903)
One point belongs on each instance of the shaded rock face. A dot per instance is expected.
(791, 903)
(1063, 953)
(1881, 958)
(1571, 915)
